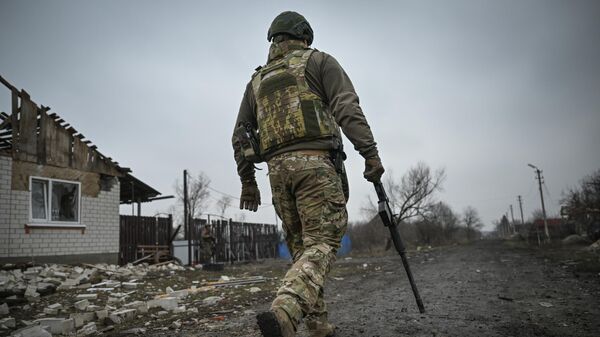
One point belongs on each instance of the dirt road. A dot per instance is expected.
(484, 289)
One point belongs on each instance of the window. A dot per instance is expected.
(54, 201)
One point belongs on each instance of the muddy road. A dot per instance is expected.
(488, 288)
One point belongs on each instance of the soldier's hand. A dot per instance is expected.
(250, 198)
(373, 169)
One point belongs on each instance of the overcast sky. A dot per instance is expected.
(480, 88)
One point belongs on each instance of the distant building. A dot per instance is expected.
(557, 228)
(59, 196)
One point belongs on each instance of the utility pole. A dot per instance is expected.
(540, 180)
(521, 208)
(512, 218)
(186, 220)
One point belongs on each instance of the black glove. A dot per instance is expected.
(373, 169)
(250, 198)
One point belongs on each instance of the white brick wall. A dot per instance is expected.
(100, 215)
(5, 174)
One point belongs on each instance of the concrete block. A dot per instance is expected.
(129, 285)
(31, 294)
(81, 305)
(122, 315)
(212, 300)
(81, 319)
(31, 331)
(179, 293)
(87, 330)
(87, 296)
(8, 322)
(93, 308)
(4, 310)
(67, 284)
(59, 326)
(140, 306)
(167, 303)
(102, 314)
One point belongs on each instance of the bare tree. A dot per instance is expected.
(411, 199)
(223, 204)
(582, 205)
(536, 215)
(198, 193)
(472, 221)
(413, 196)
(502, 227)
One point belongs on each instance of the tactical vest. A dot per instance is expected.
(287, 111)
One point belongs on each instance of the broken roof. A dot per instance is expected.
(29, 133)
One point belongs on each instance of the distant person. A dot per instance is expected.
(208, 243)
(290, 117)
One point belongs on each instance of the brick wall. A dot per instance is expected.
(5, 174)
(99, 214)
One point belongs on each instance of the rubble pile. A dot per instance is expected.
(594, 247)
(96, 298)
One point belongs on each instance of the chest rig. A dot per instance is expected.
(287, 111)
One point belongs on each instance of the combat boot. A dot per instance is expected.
(317, 328)
(275, 323)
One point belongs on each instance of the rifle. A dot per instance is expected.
(385, 212)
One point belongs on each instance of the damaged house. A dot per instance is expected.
(59, 196)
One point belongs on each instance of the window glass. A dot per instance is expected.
(39, 199)
(65, 203)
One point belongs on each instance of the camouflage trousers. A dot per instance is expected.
(207, 250)
(309, 199)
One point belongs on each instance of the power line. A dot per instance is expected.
(548, 192)
(236, 198)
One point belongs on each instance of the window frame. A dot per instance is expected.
(48, 222)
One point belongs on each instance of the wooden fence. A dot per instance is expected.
(238, 241)
(234, 241)
(142, 230)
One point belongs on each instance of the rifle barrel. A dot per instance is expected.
(388, 220)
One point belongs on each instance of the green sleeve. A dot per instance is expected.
(246, 114)
(331, 82)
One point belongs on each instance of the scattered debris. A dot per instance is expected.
(31, 331)
(574, 239)
(8, 322)
(122, 315)
(81, 305)
(96, 298)
(546, 304)
(88, 329)
(60, 326)
(226, 281)
(4, 309)
(594, 247)
(87, 296)
(211, 300)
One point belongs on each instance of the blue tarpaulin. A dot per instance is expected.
(345, 249)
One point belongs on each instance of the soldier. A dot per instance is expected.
(208, 243)
(297, 103)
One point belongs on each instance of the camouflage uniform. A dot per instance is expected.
(208, 242)
(308, 197)
(307, 191)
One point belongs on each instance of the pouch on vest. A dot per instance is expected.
(248, 140)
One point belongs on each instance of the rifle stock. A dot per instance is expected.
(385, 212)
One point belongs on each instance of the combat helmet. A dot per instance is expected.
(293, 24)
